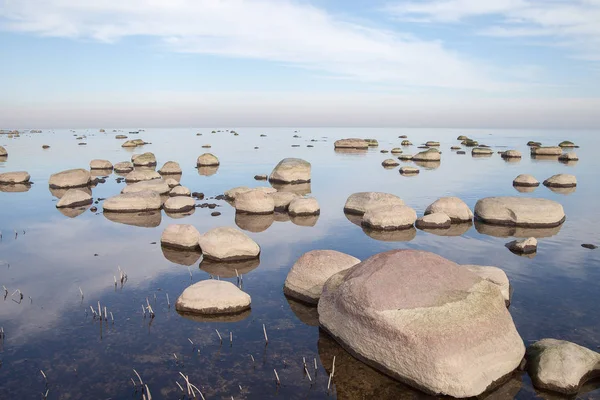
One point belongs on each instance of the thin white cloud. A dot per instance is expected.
(281, 31)
(573, 23)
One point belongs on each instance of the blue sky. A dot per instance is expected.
(435, 63)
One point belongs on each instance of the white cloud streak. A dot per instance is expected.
(281, 31)
(574, 23)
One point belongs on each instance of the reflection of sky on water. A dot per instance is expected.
(553, 291)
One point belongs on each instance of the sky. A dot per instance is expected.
(232, 63)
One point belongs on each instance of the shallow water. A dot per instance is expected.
(52, 255)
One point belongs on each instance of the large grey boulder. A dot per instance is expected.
(100, 164)
(13, 178)
(228, 244)
(520, 211)
(304, 206)
(179, 204)
(157, 185)
(139, 175)
(144, 160)
(424, 320)
(359, 203)
(170, 168)
(453, 207)
(561, 366)
(291, 170)
(207, 160)
(307, 276)
(180, 236)
(74, 198)
(254, 202)
(70, 178)
(213, 297)
(133, 202)
(351, 144)
(389, 218)
(561, 181)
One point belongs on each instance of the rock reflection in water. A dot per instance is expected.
(15, 188)
(401, 235)
(254, 222)
(149, 219)
(299, 188)
(454, 230)
(229, 269)
(515, 231)
(208, 171)
(73, 212)
(308, 315)
(217, 318)
(181, 257)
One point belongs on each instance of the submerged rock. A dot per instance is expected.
(207, 160)
(453, 207)
(520, 211)
(133, 202)
(424, 320)
(307, 276)
(291, 170)
(12, 178)
(74, 198)
(351, 144)
(212, 297)
(561, 366)
(180, 236)
(228, 244)
(526, 180)
(359, 203)
(304, 206)
(561, 181)
(389, 218)
(70, 178)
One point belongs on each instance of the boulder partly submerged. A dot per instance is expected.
(423, 320)
(520, 211)
(359, 203)
(291, 170)
(307, 276)
(70, 179)
(213, 297)
(133, 202)
(351, 144)
(561, 366)
(228, 244)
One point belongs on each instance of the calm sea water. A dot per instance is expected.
(51, 329)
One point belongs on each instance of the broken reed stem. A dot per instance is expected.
(277, 377)
(265, 332)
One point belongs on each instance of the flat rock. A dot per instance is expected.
(291, 170)
(180, 236)
(70, 178)
(133, 202)
(453, 207)
(307, 276)
(170, 168)
(123, 167)
(423, 320)
(11, 178)
(144, 160)
(524, 246)
(139, 175)
(304, 206)
(351, 144)
(561, 366)
(359, 203)
(526, 180)
(213, 297)
(436, 220)
(207, 160)
(179, 204)
(389, 218)
(101, 164)
(228, 244)
(561, 181)
(156, 185)
(520, 211)
(254, 202)
(74, 198)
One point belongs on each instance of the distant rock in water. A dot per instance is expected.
(213, 297)
(309, 273)
(520, 211)
(351, 144)
(228, 244)
(12, 178)
(70, 178)
(526, 181)
(561, 181)
(291, 170)
(424, 320)
(74, 198)
(525, 246)
(561, 366)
